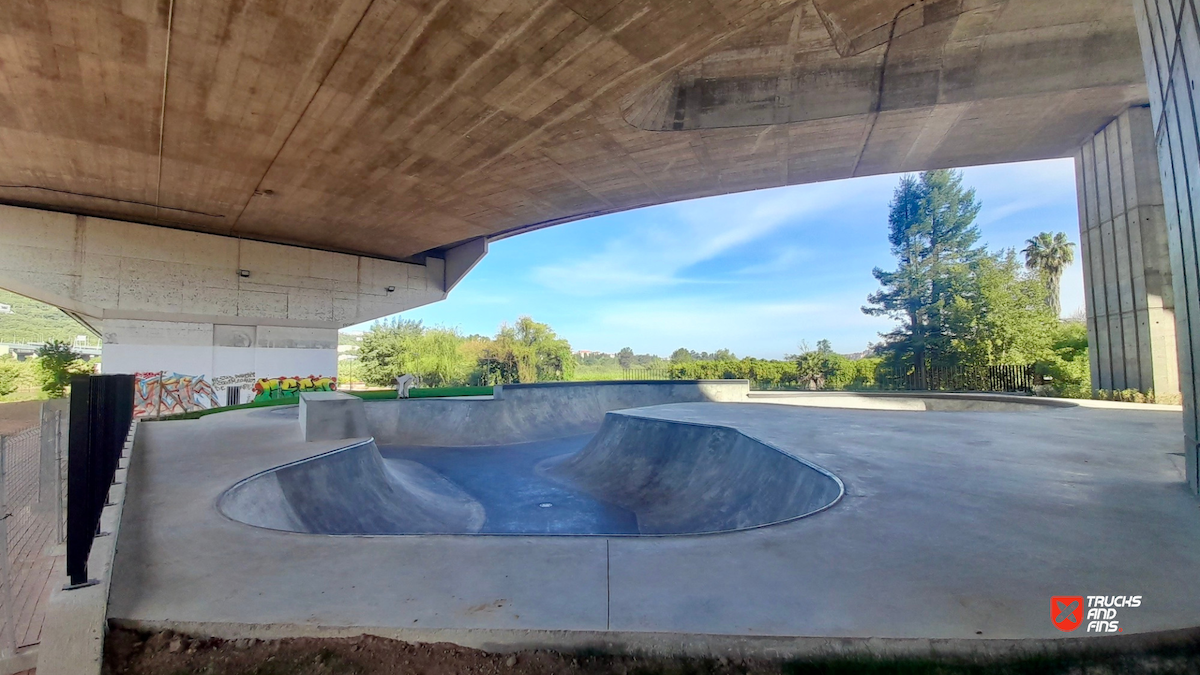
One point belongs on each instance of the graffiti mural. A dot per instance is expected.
(268, 388)
(235, 388)
(165, 393)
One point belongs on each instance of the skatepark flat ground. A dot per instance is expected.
(954, 525)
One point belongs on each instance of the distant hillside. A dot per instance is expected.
(32, 321)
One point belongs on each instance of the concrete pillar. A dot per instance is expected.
(207, 319)
(1170, 37)
(1126, 265)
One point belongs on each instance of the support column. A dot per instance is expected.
(1126, 265)
(1170, 37)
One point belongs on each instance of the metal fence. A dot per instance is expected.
(101, 416)
(646, 373)
(985, 378)
(1015, 378)
(32, 526)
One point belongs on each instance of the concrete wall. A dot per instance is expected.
(107, 269)
(222, 311)
(1126, 265)
(1170, 38)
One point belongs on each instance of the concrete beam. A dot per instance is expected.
(463, 258)
(111, 270)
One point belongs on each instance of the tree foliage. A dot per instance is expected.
(57, 362)
(933, 236)
(958, 304)
(526, 351)
(32, 321)
(625, 357)
(10, 375)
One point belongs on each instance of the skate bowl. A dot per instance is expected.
(519, 413)
(561, 460)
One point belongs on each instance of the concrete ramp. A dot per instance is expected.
(685, 478)
(353, 490)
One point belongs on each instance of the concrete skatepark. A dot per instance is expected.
(960, 517)
(217, 187)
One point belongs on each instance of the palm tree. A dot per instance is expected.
(1048, 255)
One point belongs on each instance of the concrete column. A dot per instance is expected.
(1170, 37)
(1126, 264)
(207, 319)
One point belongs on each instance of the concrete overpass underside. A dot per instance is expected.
(399, 136)
(392, 128)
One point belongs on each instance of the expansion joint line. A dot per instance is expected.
(162, 113)
(878, 107)
(607, 586)
(258, 187)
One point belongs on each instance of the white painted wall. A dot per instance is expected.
(196, 349)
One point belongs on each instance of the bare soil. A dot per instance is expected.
(133, 653)
(19, 415)
(130, 652)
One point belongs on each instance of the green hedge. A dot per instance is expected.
(368, 395)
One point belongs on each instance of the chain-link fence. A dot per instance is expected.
(32, 524)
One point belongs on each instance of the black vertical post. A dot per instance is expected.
(101, 414)
(79, 526)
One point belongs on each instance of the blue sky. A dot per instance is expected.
(756, 272)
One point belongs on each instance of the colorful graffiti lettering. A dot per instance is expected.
(268, 388)
(168, 393)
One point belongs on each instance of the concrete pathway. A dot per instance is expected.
(954, 525)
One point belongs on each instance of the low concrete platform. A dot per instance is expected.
(956, 528)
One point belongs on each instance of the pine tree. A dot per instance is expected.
(933, 235)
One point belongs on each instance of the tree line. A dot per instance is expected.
(526, 351)
(957, 305)
(51, 371)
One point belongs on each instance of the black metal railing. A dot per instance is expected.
(1012, 378)
(101, 415)
(646, 373)
(960, 378)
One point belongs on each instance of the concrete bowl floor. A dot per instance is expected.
(954, 525)
(515, 496)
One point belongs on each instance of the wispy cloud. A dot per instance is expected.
(677, 237)
(783, 261)
(756, 272)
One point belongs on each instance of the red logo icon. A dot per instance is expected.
(1066, 611)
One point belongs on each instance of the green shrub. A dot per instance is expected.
(10, 375)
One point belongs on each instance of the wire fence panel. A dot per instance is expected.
(646, 373)
(31, 528)
(1009, 378)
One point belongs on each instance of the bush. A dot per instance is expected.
(57, 362)
(10, 375)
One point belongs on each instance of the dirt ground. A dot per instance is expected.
(134, 653)
(19, 415)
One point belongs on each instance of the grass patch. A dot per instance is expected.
(366, 395)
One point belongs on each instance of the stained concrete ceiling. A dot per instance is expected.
(394, 127)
